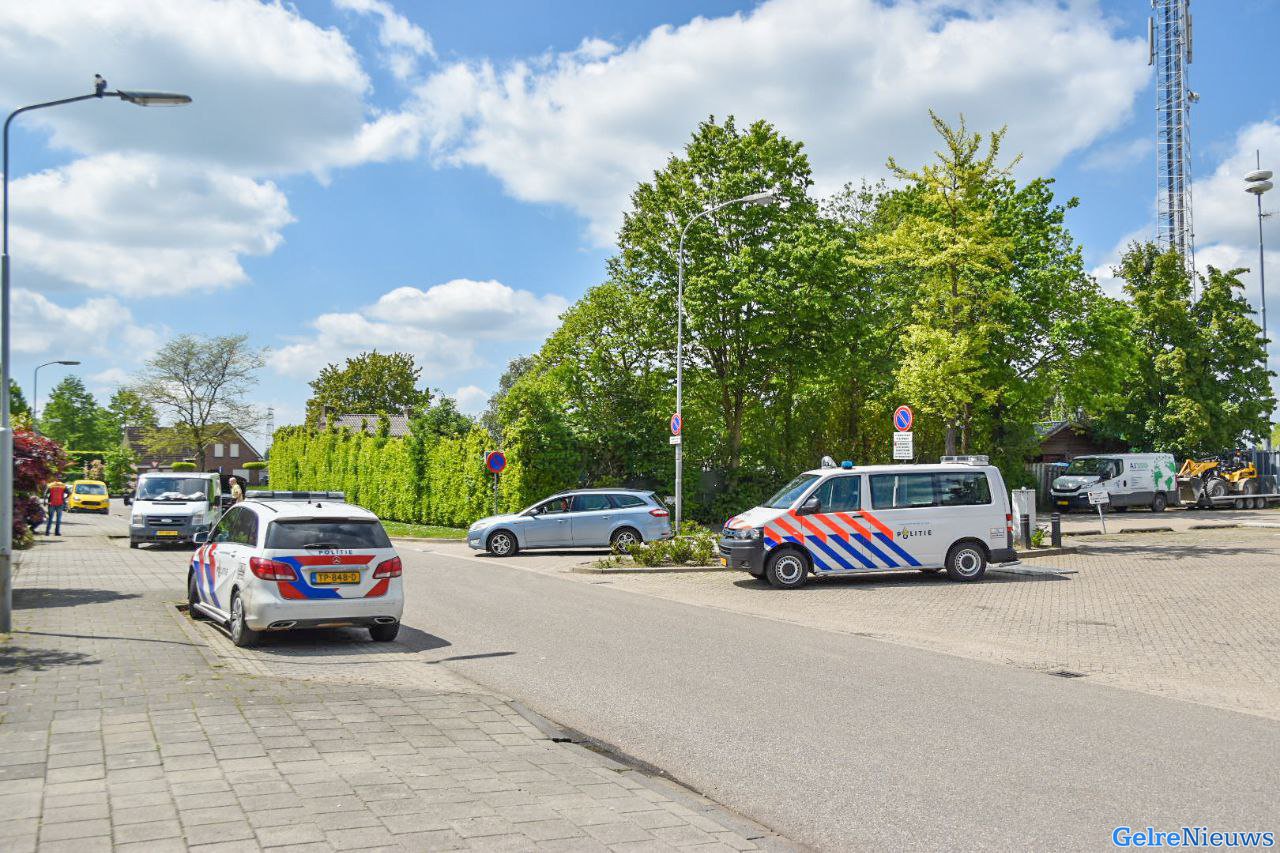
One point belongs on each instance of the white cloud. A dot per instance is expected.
(471, 399)
(853, 79)
(442, 326)
(100, 326)
(139, 225)
(1118, 156)
(173, 199)
(403, 42)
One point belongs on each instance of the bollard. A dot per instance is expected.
(1026, 532)
(1055, 530)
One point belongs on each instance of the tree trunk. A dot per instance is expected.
(951, 441)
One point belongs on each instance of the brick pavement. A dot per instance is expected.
(125, 726)
(1193, 615)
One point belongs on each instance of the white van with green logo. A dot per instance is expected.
(1147, 480)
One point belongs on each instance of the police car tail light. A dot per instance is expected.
(389, 568)
(659, 513)
(271, 570)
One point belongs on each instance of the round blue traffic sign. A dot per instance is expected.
(903, 418)
(676, 423)
(495, 461)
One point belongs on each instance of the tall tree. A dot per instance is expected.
(73, 418)
(130, 410)
(17, 400)
(492, 417)
(1197, 383)
(199, 384)
(371, 383)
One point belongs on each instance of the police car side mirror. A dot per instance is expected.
(811, 506)
(200, 537)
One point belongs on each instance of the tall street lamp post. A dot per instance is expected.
(142, 99)
(1258, 182)
(35, 386)
(761, 198)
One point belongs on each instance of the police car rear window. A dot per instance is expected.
(326, 533)
(901, 491)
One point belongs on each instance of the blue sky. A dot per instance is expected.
(445, 177)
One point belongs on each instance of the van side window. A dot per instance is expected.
(963, 489)
(840, 494)
(898, 491)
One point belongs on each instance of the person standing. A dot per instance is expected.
(55, 502)
(237, 492)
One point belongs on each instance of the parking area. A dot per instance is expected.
(1192, 615)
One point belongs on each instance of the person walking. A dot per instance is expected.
(237, 491)
(55, 503)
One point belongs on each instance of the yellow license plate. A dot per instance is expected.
(166, 533)
(724, 561)
(1063, 503)
(335, 577)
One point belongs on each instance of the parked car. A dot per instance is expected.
(577, 519)
(954, 516)
(306, 561)
(174, 507)
(89, 496)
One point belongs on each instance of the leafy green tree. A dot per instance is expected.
(129, 410)
(17, 401)
(442, 419)
(1197, 383)
(73, 418)
(371, 383)
(198, 385)
(491, 419)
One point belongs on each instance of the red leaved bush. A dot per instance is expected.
(36, 461)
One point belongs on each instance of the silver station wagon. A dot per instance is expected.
(582, 518)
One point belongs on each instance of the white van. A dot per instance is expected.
(1130, 480)
(954, 515)
(174, 506)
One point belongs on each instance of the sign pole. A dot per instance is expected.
(495, 492)
(1102, 520)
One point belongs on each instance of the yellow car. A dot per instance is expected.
(89, 495)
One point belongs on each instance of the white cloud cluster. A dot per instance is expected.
(853, 79)
(441, 325)
(100, 326)
(402, 41)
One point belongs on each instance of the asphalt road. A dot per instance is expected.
(839, 741)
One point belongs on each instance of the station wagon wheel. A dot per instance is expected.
(502, 544)
(786, 570)
(624, 538)
(966, 561)
(241, 634)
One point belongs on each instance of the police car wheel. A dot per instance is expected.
(241, 634)
(966, 562)
(502, 544)
(193, 597)
(384, 633)
(786, 570)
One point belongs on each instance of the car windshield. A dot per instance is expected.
(1089, 466)
(326, 533)
(90, 489)
(788, 494)
(173, 489)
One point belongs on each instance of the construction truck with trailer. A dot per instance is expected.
(1226, 480)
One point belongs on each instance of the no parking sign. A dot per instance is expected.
(903, 418)
(495, 461)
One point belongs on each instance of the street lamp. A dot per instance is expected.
(1258, 182)
(760, 198)
(142, 99)
(35, 386)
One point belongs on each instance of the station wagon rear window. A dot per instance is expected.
(902, 491)
(326, 533)
(627, 501)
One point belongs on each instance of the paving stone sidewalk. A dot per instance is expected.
(123, 728)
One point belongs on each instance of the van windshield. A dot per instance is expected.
(173, 489)
(791, 491)
(1091, 466)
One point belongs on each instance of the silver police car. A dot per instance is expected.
(582, 518)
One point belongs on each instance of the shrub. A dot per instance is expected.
(184, 466)
(255, 466)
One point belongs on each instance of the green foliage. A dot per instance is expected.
(255, 466)
(17, 400)
(130, 410)
(371, 383)
(694, 546)
(73, 418)
(1195, 381)
(183, 466)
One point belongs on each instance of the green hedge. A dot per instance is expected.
(433, 480)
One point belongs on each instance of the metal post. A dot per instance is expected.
(1102, 520)
(680, 373)
(1055, 530)
(1026, 531)
(1262, 284)
(495, 492)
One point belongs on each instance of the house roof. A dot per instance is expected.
(1046, 429)
(369, 423)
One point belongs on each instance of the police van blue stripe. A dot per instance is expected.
(855, 553)
(840, 561)
(865, 542)
(911, 561)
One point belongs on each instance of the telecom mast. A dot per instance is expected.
(1169, 50)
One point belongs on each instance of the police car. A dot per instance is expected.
(283, 560)
(953, 516)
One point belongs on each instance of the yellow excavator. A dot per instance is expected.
(1201, 481)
